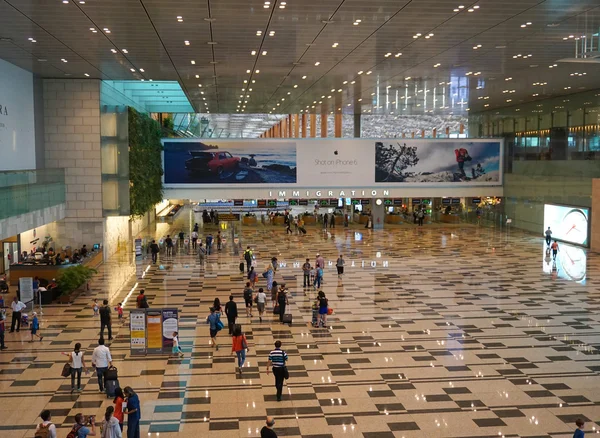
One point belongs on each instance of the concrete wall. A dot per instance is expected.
(72, 141)
(18, 224)
(595, 214)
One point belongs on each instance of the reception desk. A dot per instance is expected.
(48, 272)
(394, 219)
(309, 220)
(449, 219)
(249, 220)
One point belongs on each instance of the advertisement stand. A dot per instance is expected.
(137, 332)
(26, 290)
(154, 331)
(170, 324)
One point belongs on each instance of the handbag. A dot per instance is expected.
(255, 299)
(66, 371)
(286, 373)
(244, 343)
(276, 310)
(329, 311)
(220, 325)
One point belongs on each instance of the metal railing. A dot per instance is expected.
(24, 191)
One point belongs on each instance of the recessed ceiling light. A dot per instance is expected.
(193, 62)
(304, 77)
(132, 69)
(353, 82)
(317, 63)
(295, 86)
(142, 70)
(282, 5)
(264, 52)
(388, 54)
(113, 50)
(125, 51)
(32, 40)
(335, 45)
(267, 5)
(360, 100)
(272, 33)
(63, 60)
(256, 71)
(470, 10)
(86, 75)
(407, 78)
(180, 18)
(369, 72)
(360, 72)
(247, 71)
(253, 52)
(456, 10)
(258, 32)
(107, 30)
(65, 1)
(186, 42)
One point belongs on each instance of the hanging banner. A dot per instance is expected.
(137, 332)
(154, 331)
(170, 324)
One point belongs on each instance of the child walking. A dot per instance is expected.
(176, 347)
(119, 310)
(35, 326)
(95, 307)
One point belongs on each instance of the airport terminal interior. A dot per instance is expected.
(413, 184)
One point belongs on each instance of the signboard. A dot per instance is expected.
(446, 201)
(293, 202)
(365, 201)
(455, 200)
(334, 202)
(138, 247)
(416, 201)
(272, 203)
(137, 332)
(26, 289)
(238, 202)
(570, 224)
(261, 203)
(303, 202)
(356, 202)
(426, 201)
(388, 202)
(229, 217)
(170, 324)
(154, 331)
(324, 202)
(398, 202)
(476, 201)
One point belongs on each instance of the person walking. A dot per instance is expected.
(318, 278)
(548, 236)
(421, 216)
(46, 428)
(35, 326)
(267, 430)
(274, 290)
(154, 250)
(219, 240)
(261, 300)
(232, 313)
(320, 261)
(325, 220)
(332, 220)
(176, 350)
(17, 307)
(77, 364)
(209, 243)
(194, 240)
(252, 276)
(306, 268)
(180, 241)
(101, 360)
(282, 300)
(239, 346)
(213, 321)
(277, 362)
(323, 308)
(169, 245)
(196, 227)
(118, 402)
(2, 329)
(248, 293)
(269, 274)
(554, 247)
(133, 413)
(105, 320)
(110, 425)
(339, 264)
(248, 258)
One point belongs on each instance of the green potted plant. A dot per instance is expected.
(72, 279)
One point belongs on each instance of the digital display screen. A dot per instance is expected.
(456, 200)
(416, 201)
(446, 201)
(365, 201)
(569, 224)
(397, 201)
(303, 202)
(262, 202)
(476, 201)
(238, 202)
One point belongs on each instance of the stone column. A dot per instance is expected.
(313, 125)
(378, 213)
(338, 125)
(324, 125)
(357, 125)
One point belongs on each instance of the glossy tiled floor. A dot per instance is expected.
(437, 332)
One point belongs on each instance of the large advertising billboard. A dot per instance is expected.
(569, 224)
(339, 163)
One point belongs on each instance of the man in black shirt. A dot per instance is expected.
(267, 430)
(232, 313)
(105, 320)
(169, 244)
(154, 249)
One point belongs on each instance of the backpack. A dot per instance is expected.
(74, 431)
(43, 431)
(247, 294)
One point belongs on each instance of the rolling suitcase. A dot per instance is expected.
(287, 318)
(110, 386)
(242, 267)
(111, 374)
(303, 230)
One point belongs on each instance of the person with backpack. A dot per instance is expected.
(105, 320)
(133, 413)
(248, 258)
(46, 429)
(239, 346)
(209, 243)
(261, 300)
(232, 313)
(77, 363)
(215, 325)
(141, 300)
(248, 292)
(110, 425)
(282, 301)
(80, 429)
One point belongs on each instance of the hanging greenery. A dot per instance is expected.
(145, 163)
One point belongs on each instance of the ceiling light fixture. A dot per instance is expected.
(264, 52)
(86, 75)
(304, 77)
(360, 72)
(398, 55)
(436, 65)
(282, 5)
(142, 70)
(369, 72)
(478, 46)
(258, 32)
(132, 69)
(317, 63)
(267, 5)
(63, 60)
(253, 52)
(257, 71)
(388, 54)
(272, 33)
(193, 62)
(180, 18)
(125, 51)
(186, 42)
(32, 40)
(107, 30)
(93, 29)
(334, 45)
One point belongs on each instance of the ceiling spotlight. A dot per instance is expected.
(304, 77)
(32, 40)
(258, 32)
(193, 62)
(264, 52)
(247, 71)
(436, 65)
(317, 63)
(456, 10)
(106, 30)
(186, 42)
(360, 72)
(267, 5)
(180, 18)
(335, 45)
(253, 52)
(369, 72)
(256, 71)
(295, 86)
(142, 70)
(63, 60)
(132, 69)
(398, 55)
(282, 5)
(125, 51)
(272, 33)
(113, 50)
(407, 78)
(86, 75)
(388, 54)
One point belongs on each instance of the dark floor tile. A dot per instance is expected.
(224, 425)
(555, 386)
(382, 393)
(489, 422)
(168, 408)
(574, 399)
(168, 427)
(540, 393)
(408, 425)
(509, 413)
(338, 421)
(457, 390)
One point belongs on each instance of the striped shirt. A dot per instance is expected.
(278, 358)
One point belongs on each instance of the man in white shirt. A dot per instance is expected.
(101, 359)
(46, 417)
(16, 306)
